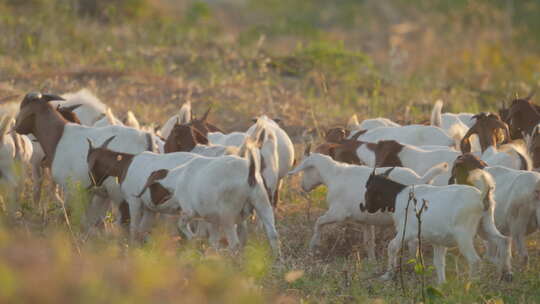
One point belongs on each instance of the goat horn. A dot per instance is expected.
(72, 107)
(50, 97)
(107, 142)
(90, 145)
(387, 172)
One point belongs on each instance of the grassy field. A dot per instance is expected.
(312, 63)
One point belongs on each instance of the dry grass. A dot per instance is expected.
(313, 63)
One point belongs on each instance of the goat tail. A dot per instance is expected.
(132, 121)
(436, 118)
(253, 164)
(353, 123)
(483, 181)
(435, 171)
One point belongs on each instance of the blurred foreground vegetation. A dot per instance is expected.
(313, 63)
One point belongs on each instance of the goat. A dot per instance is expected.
(64, 144)
(391, 153)
(455, 214)
(346, 189)
(491, 131)
(182, 117)
(131, 171)
(285, 149)
(522, 116)
(222, 191)
(13, 148)
(518, 196)
(416, 135)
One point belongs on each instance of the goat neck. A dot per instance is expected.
(49, 128)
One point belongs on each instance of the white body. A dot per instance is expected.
(518, 200)
(346, 189)
(416, 135)
(229, 139)
(453, 216)
(217, 190)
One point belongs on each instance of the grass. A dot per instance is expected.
(312, 63)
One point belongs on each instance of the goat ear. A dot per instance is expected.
(107, 142)
(277, 120)
(307, 150)
(254, 119)
(199, 137)
(90, 145)
(50, 97)
(387, 172)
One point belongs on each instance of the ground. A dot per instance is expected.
(311, 63)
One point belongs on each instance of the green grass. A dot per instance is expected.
(312, 63)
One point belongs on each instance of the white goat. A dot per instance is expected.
(285, 149)
(346, 188)
(13, 148)
(222, 191)
(416, 135)
(454, 215)
(391, 153)
(518, 199)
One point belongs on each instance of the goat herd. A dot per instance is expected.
(474, 172)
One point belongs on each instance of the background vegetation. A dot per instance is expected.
(313, 63)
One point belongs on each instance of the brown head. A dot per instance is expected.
(103, 163)
(463, 165)
(522, 116)
(32, 105)
(336, 135)
(183, 138)
(158, 193)
(387, 153)
(68, 114)
(202, 125)
(343, 152)
(381, 193)
(489, 128)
